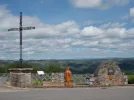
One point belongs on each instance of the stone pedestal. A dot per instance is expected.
(20, 77)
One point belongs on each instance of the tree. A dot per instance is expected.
(24, 65)
(17, 64)
(53, 69)
(35, 69)
(2, 69)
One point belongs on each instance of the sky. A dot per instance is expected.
(68, 29)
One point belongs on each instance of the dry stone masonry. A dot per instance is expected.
(20, 77)
(108, 73)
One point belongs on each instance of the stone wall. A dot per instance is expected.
(20, 77)
(109, 73)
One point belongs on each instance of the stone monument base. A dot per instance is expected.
(20, 77)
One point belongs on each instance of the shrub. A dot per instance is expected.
(37, 83)
(131, 79)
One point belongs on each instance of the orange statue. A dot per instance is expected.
(68, 76)
(110, 77)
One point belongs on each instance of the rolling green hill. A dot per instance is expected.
(80, 66)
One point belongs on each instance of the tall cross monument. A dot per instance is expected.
(20, 29)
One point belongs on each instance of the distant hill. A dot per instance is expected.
(79, 66)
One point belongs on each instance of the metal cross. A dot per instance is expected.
(20, 29)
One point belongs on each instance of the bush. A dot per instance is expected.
(53, 69)
(17, 64)
(131, 79)
(3, 69)
(37, 83)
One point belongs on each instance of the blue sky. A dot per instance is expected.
(68, 29)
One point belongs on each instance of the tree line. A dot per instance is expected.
(48, 69)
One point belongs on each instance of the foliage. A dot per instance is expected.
(81, 66)
(4, 69)
(130, 79)
(17, 65)
(131, 72)
(35, 69)
(37, 83)
(52, 69)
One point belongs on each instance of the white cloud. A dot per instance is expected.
(91, 31)
(87, 3)
(92, 44)
(98, 4)
(78, 43)
(116, 32)
(44, 30)
(117, 2)
(63, 29)
(132, 12)
(97, 32)
(113, 25)
(130, 33)
(109, 41)
(61, 40)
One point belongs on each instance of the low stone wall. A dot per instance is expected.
(20, 79)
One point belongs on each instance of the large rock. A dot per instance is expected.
(109, 73)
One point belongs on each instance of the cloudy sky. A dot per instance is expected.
(68, 29)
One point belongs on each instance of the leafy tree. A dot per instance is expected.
(24, 65)
(129, 72)
(17, 65)
(53, 69)
(2, 70)
(35, 69)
